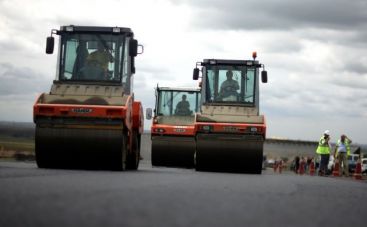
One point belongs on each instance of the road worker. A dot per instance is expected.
(323, 150)
(342, 150)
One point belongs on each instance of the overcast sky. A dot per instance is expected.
(315, 53)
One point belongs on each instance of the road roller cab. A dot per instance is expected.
(230, 130)
(90, 119)
(173, 126)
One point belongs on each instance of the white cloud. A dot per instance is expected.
(314, 53)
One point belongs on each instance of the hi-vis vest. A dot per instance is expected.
(347, 145)
(323, 147)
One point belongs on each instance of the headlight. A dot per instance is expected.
(159, 130)
(116, 30)
(212, 62)
(69, 28)
(206, 128)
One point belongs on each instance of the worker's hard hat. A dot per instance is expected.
(327, 132)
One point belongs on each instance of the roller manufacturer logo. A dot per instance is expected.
(180, 129)
(230, 129)
(82, 110)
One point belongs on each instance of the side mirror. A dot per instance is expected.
(50, 45)
(148, 113)
(195, 75)
(133, 47)
(264, 76)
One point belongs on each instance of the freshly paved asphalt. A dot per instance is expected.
(175, 197)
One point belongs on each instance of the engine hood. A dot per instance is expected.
(85, 95)
(230, 114)
(176, 120)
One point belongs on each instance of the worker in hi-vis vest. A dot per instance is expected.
(342, 151)
(323, 150)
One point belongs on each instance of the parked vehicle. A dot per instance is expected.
(352, 162)
(270, 163)
(364, 165)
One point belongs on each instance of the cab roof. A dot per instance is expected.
(94, 29)
(230, 62)
(189, 89)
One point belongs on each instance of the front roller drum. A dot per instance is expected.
(173, 151)
(229, 153)
(80, 148)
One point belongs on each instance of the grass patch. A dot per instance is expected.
(16, 144)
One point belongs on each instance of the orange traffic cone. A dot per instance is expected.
(336, 169)
(358, 172)
(312, 168)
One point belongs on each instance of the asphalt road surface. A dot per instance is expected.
(175, 197)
